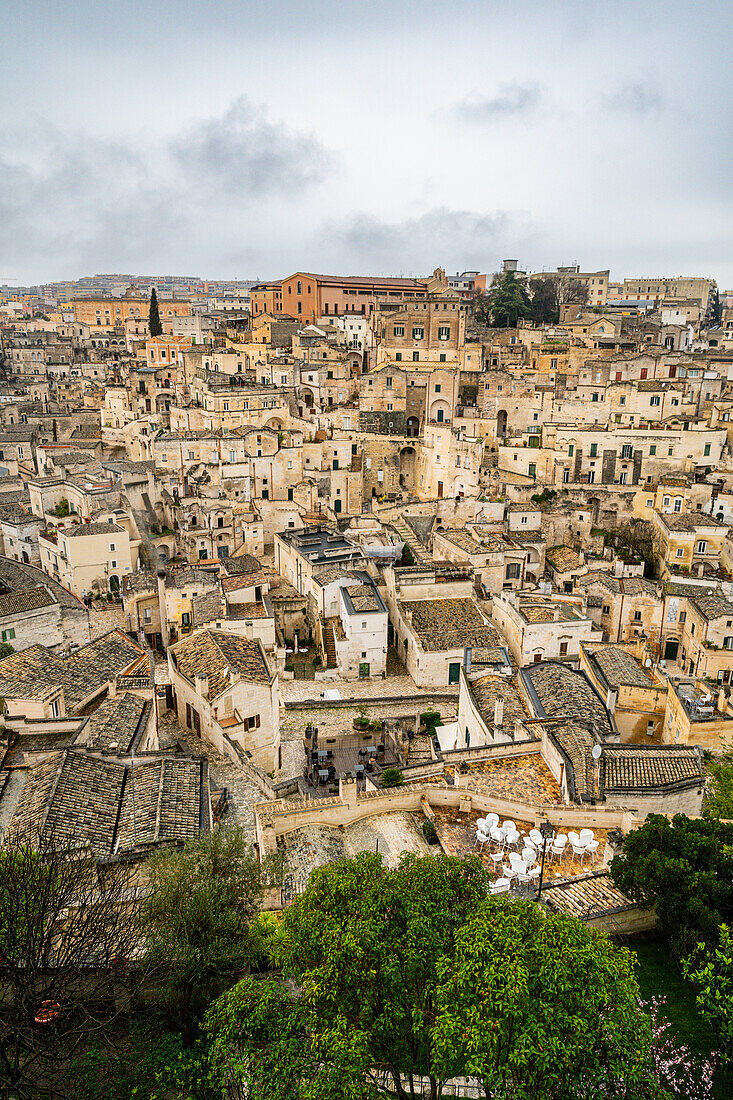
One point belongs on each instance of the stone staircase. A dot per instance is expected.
(410, 539)
(329, 643)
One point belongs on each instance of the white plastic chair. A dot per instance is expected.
(591, 848)
(492, 819)
(496, 859)
(536, 837)
(481, 838)
(522, 872)
(573, 838)
(557, 851)
(529, 855)
(586, 835)
(501, 886)
(511, 839)
(497, 837)
(510, 872)
(534, 873)
(509, 827)
(578, 851)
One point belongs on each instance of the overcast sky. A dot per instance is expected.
(236, 139)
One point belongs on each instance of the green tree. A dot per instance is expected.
(710, 970)
(715, 309)
(258, 1041)
(5, 650)
(508, 300)
(481, 307)
(539, 1006)
(154, 315)
(199, 917)
(545, 305)
(684, 869)
(719, 788)
(416, 974)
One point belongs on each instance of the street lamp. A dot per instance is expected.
(546, 831)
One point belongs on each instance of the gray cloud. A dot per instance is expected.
(72, 202)
(242, 153)
(439, 237)
(510, 100)
(635, 98)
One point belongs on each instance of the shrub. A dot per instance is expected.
(430, 832)
(392, 777)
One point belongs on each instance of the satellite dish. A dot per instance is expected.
(648, 663)
(597, 750)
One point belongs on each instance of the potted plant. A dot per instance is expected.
(361, 722)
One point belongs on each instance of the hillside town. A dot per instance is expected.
(347, 564)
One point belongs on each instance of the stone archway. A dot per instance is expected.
(408, 459)
(412, 427)
(501, 422)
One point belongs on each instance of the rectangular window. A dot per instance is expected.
(418, 333)
(571, 450)
(398, 357)
(399, 330)
(680, 552)
(707, 450)
(532, 469)
(702, 547)
(437, 388)
(9, 634)
(594, 450)
(626, 450)
(653, 449)
(655, 399)
(444, 332)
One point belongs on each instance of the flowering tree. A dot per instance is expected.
(675, 1068)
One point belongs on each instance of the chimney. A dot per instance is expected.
(161, 607)
(498, 712)
(556, 615)
(611, 697)
(201, 683)
(467, 659)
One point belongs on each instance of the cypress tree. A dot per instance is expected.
(154, 316)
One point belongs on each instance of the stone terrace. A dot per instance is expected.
(457, 834)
